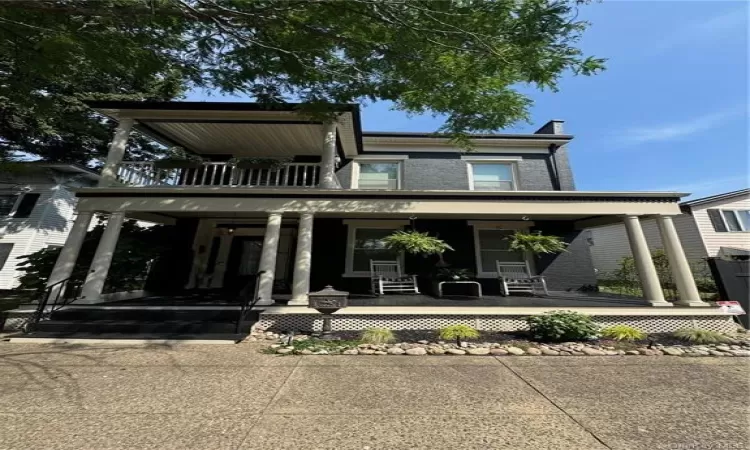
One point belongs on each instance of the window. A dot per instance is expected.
(5, 250)
(6, 204)
(492, 176)
(26, 206)
(379, 175)
(736, 219)
(492, 246)
(365, 243)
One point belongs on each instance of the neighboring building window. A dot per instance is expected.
(4, 253)
(736, 219)
(492, 177)
(492, 246)
(26, 206)
(379, 175)
(6, 203)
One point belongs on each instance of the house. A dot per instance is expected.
(319, 218)
(37, 209)
(715, 226)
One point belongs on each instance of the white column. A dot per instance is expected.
(678, 263)
(94, 284)
(328, 158)
(302, 261)
(68, 256)
(116, 152)
(643, 263)
(268, 259)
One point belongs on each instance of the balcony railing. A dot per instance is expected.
(135, 173)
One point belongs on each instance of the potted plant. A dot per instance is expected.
(451, 274)
(259, 162)
(536, 243)
(178, 158)
(415, 243)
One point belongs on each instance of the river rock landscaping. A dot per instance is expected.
(422, 343)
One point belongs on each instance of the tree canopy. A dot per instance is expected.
(464, 59)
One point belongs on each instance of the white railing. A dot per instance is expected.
(136, 173)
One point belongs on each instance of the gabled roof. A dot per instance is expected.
(714, 198)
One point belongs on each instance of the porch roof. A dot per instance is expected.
(586, 208)
(223, 128)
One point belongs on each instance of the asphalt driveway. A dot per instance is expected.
(233, 397)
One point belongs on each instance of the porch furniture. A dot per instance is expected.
(475, 283)
(517, 277)
(386, 276)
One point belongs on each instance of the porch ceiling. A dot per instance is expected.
(239, 129)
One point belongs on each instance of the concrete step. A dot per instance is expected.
(139, 327)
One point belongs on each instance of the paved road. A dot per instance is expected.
(232, 397)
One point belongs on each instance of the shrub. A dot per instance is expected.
(623, 333)
(698, 336)
(458, 332)
(377, 336)
(562, 326)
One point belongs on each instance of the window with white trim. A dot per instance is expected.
(7, 202)
(492, 246)
(379, 175)
(368, 245)
(736, 219)
(492, 176)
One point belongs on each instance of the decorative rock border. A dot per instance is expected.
(736, 347)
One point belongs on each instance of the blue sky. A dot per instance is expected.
(669, 113)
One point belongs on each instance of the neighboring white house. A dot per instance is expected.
(37, 209)
(715, 226)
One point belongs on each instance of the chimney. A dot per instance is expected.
(551, 127)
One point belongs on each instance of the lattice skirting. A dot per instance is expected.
(649, 324)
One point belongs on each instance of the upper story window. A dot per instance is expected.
(377, 173)
(736, 219)
(492, 176)
(10, 204)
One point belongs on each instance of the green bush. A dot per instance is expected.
(458, 332)
(377, 336)
(698, 336)
(562, 326)
(623, 333)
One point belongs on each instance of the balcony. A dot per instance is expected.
(218, 174)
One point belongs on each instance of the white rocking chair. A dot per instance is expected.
(386, 277)
(517, 277)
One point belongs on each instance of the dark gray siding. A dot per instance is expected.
(447, 171)
(570, 270)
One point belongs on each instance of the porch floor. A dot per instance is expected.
(559, 299)
(556, 299)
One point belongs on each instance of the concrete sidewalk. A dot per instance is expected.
(232, 397)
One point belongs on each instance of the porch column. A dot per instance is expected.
(268, 259)
(643, 263)
(94, 284)
(116, 152)
(68, 256)
(302, 261)
(328, 158)
(678, 263)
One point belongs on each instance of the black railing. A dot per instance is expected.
(55, 296)
(248, 300)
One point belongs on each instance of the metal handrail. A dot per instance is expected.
(60, 288)
(248, 302)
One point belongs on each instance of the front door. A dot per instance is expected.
(243, 262)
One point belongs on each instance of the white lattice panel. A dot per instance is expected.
(649, 324)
